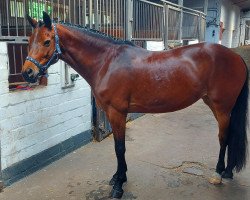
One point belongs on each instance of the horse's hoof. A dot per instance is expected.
(215, 179)
(116, 193)
(228, 175)
(219, 170)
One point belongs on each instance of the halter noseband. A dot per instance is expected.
(54, 58)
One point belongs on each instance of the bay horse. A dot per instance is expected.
(126, 78)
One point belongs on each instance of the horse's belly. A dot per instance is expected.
(159, 101)
(159, 106)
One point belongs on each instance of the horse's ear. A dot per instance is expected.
(32, 21)
(47, 20)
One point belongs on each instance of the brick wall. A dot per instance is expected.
(33, 121)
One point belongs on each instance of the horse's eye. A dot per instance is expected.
(47, 43)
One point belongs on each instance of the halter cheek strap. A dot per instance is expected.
(54, 58)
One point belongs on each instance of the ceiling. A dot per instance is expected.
(244, 4)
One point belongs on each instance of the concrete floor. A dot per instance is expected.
(160, 148)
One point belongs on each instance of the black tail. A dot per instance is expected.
(237, 140)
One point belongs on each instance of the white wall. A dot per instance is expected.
(155, 45)
(230, 16)
(213, 12)
(223, 11)
(32, 121)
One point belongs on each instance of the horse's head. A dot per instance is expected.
(43, 49)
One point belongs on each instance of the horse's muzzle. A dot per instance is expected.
(30, 77)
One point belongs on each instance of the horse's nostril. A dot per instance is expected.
(29, 71)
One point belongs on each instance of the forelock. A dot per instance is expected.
(40, 23)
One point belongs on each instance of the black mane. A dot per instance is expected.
(98, 34)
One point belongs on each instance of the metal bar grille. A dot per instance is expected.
(111, 17)
(17, 53)
(147, 20)
(13, 14)
(108, 16)
(190, 25)
(173, 24)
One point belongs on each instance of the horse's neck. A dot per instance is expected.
(82, 52)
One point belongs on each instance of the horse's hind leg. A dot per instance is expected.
(118, 124)
(223, 123)
(210, 105)
(222, 116)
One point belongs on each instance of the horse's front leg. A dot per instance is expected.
(118, 124)
(121, 162)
